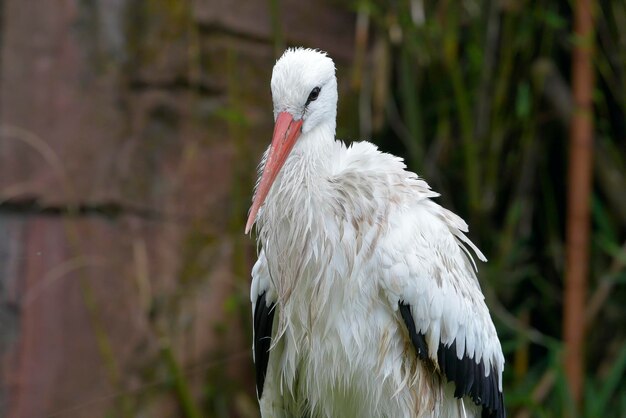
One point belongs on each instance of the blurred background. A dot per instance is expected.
(130, 131)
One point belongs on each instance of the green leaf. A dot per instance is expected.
(554, 20)
(523, 101)
(611, 384)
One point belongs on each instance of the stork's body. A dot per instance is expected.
(364, 294)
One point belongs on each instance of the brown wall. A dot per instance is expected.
(129, 135)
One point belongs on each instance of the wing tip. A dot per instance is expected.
(469, 377)
(263, 323)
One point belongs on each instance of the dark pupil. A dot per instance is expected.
(314, 93)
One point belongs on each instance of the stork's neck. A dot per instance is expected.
(312, 153)
(293, 221)
(300, 181)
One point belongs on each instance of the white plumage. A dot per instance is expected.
(365, 298)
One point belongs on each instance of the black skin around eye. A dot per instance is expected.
(313, 96)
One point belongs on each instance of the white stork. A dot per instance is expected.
(364, 296)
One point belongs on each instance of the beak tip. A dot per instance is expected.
(249, 225)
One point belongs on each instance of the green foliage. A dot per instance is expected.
(482, 88)
(601, 391)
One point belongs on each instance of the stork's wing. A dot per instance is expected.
(429, 276)
(263, 314)
(470, 377)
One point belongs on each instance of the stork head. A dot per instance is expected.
(304, 92)
(304, 86)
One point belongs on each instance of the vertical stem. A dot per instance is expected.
(499, 123)
(411, 108)
(103, 342)
(277, 30)
(482, 111)
(463, 109)
(579, 191)
(361, 36)
(462, 103)
(185, 398)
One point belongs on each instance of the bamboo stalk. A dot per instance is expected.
(278, 36)
(579, 192)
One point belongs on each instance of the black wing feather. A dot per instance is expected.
(468, 376)
(263, 321)
(418, 339)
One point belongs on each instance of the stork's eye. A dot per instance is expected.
(312, 96)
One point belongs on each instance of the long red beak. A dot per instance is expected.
(286, 132)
